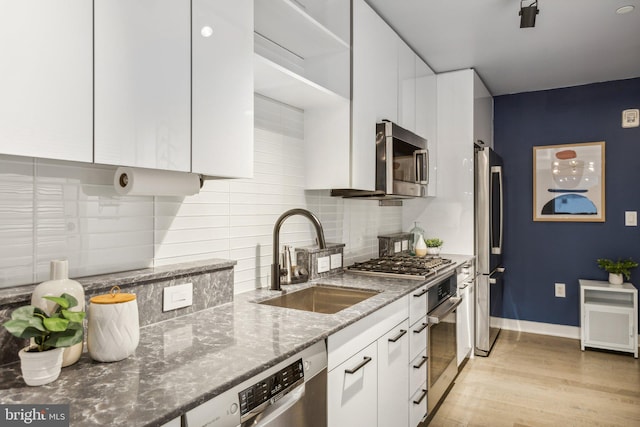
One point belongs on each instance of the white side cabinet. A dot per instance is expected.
(222, 88)
(46, 101)
(368, 379)
(609, 316)
(142, 83)
(465, 315)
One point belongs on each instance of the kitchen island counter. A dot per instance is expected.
(183, 362)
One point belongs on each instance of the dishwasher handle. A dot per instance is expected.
(272, 412)
(444, 310)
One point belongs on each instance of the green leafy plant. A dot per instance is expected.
(618, 267)
(434, 242)
(63, 328)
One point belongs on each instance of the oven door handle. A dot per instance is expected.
(444, 310)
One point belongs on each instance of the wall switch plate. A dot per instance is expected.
(178, 296)
(405, 245)
(631, 118)
(631, 218)
(324, 264)
(560, 290)
(336, 261)
(397, 247)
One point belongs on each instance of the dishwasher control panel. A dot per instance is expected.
(270, 389)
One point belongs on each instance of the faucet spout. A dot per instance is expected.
(275, 266)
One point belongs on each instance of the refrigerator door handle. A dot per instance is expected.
(497, 249)
(492, 279)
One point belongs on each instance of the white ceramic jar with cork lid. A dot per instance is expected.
(114, 329)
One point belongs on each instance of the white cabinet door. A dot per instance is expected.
(46, 104)
(393, 377)
(223, 88)
(352, 390)
(463, 327)
(374, 87)
(406, 86)
(482, 112)
(142, 83)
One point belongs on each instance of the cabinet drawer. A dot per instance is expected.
(418, 338)
(418, 405)
(417, 304)
(417, 372)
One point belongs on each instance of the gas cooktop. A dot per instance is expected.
(406, 266)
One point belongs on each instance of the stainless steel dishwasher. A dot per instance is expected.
(291, 393)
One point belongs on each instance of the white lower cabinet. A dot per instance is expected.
(393, 376)
(352, 390)
(368, 364)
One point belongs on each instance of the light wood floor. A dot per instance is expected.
(537, 380)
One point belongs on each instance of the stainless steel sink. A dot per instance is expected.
(321, 299)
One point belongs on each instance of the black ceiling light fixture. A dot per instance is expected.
(528, 13)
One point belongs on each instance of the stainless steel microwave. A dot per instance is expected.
(402, 161)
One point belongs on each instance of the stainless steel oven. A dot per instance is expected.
(442, 346)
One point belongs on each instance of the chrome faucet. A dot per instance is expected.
(275, 266)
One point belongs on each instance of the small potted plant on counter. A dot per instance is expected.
(433, 245)
(617, 269)
(41, 362)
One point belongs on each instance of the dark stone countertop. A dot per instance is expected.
(181, 363)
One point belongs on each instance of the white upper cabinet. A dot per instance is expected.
(222, 84)
(143, 83)
(375, 89)
(406, 86)
(427, 117)
(303, 58)
(46, 84)
(482, 112)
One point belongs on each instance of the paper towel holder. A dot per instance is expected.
(184, 183)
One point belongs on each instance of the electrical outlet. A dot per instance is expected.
(631, 218)
(324, 264)
(560, 291)
(177, 296)
(336, 261)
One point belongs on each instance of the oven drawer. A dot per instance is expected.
(418, 304)
(418, 372)
(418, 339)
(418, 405)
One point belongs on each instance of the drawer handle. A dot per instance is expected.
(421, 328)
(422, 362)
(421, 398)
(424, 291)
(397, 337)
(366, 360)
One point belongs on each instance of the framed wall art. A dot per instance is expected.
(568, 182)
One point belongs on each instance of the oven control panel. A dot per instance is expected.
(271, 388)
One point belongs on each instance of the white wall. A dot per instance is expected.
(51, 209)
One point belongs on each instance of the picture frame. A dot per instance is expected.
(569, 182)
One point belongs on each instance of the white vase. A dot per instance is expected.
(40, 367)
(421, 247)
(615, 279)
(59, 284)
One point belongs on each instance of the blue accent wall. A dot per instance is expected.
(538, 254)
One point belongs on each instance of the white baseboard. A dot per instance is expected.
(564, 331)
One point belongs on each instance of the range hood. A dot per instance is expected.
(402, 165)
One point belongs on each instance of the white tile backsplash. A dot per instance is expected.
(52, 209)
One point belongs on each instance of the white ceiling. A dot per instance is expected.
(574, 42)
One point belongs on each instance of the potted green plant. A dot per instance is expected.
(41, 361)
(433, 245)
(617, 269)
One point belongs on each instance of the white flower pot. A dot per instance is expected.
(615, 279)
(433, 251)
(40, 367)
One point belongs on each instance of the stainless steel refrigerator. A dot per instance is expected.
(489, 202)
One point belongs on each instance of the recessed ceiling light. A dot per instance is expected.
(624, 9)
